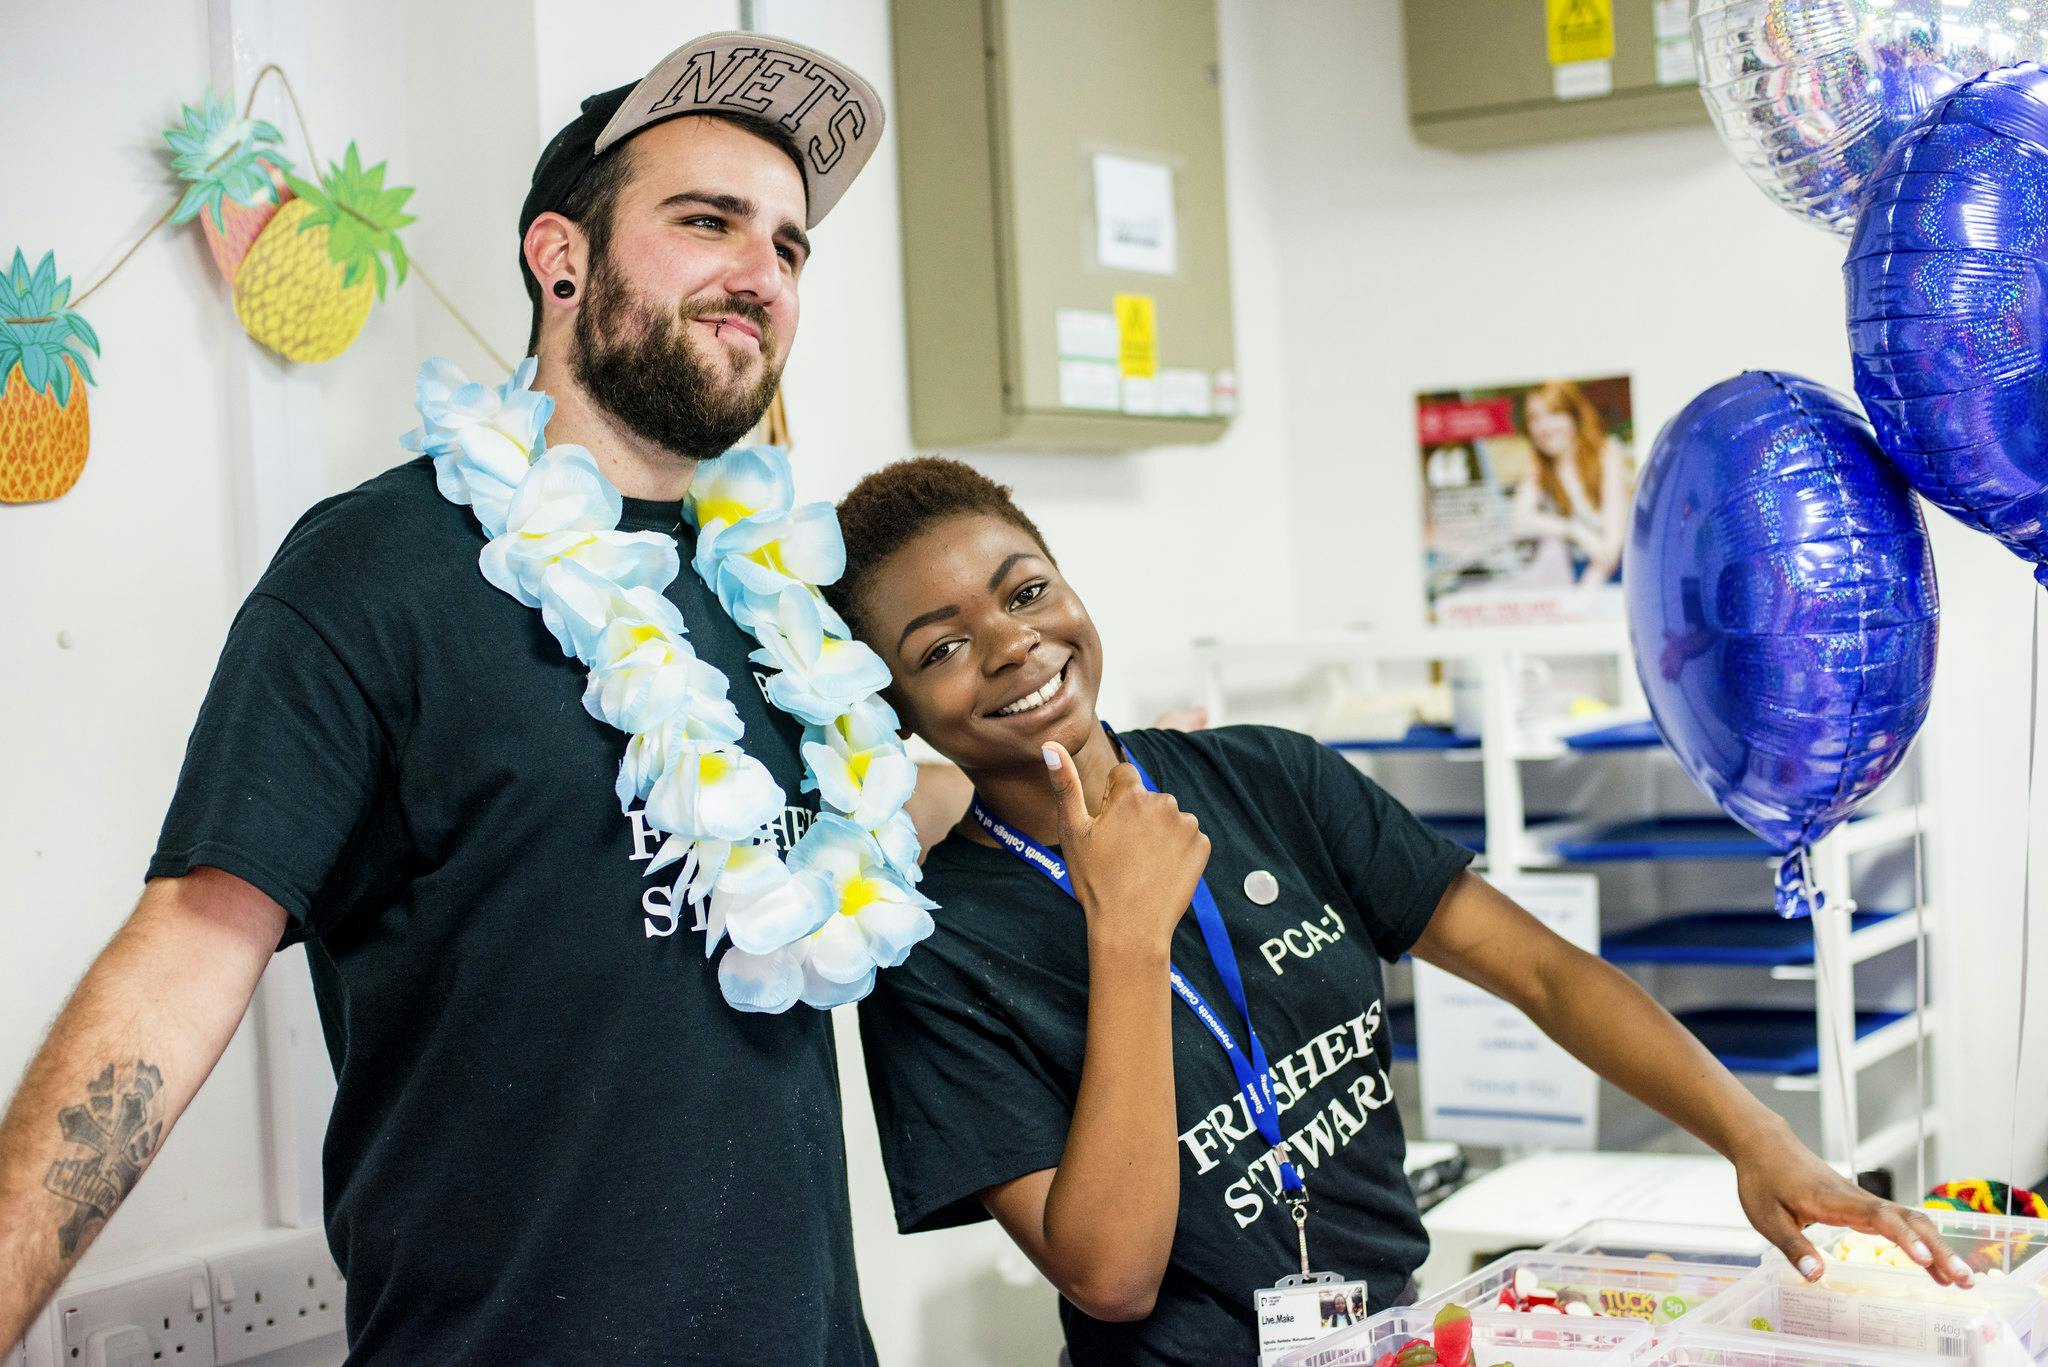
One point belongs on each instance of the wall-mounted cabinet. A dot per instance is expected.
(1501, 73)
(1066, 268)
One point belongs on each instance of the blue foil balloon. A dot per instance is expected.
(1782, 608)
(1948, 314)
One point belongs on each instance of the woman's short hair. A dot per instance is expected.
(899, 502)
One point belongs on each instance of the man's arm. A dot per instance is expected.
(141, 1032)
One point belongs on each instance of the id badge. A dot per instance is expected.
(1297, 1311)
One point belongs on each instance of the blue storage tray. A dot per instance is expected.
(1746, 1039)
(1418, 738)
(1756, 939)
(1667, 837)
(1753, 1039)
(1628, 735)
(1469, 828)
(1469, 831)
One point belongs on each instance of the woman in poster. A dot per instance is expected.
(1575, 498)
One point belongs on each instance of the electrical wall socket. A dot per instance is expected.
(273, 1292)
(159, 1312)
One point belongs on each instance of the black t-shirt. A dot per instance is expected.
(974, 1046)
(553, 1140)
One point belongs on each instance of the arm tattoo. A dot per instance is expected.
(118, 1127)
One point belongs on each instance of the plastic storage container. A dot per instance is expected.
(1718, 1245)
(1873, 1307)
(1696, 1345)
(2008, 1247)
(1653, 1292)
(1525, 1340)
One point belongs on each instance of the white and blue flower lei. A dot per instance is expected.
(812, 929)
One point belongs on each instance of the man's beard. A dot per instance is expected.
(637, 363)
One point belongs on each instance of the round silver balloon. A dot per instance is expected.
(1809, 94)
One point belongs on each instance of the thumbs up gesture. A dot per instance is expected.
(1134, 863)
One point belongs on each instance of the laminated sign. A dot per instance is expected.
(1581, 31)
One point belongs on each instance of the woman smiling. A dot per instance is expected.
(1080, 1052)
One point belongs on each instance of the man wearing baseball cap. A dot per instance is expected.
(554, 1140)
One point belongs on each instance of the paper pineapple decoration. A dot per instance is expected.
(304, 289)
(235, 175)
(44, 428)
(306, 260)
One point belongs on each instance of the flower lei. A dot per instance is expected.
(816, 927)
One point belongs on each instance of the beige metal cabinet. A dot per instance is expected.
(1003, 110)
(1480, 75)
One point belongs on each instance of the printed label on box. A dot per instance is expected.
(1141, 395)
(1224, 394)
(1134, 224)
(1582, 80)
(1086, 334)
(1184, 393)
(1675, 64)
(1137, 331)
(1090, 384)
(1580, 31)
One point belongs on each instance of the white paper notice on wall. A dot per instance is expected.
(1183, 393)
(1086, 334)
(1134, 223)
(1489, 1076)
(1090, 384)
(1582, 80)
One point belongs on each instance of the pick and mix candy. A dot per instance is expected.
(1451, 1333)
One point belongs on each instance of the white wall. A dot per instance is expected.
(1364, 268)
(135, 566)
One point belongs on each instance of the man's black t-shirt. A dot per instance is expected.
(974, 1046)
(553, 1140)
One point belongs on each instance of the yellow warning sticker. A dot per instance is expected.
(1581, 31)
(1137, 334)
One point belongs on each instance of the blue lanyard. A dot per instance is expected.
(1253, 1076)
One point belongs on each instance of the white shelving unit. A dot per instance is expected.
(1514, 844)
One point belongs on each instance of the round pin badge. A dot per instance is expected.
(1261, 887)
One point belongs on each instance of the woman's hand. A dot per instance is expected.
(1784, 1188)
(1134, 864)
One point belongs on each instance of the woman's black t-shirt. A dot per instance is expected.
(974, 1046)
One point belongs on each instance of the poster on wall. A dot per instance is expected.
(1526, 494)
(1489, 1076)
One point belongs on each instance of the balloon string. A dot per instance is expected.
(1919, 985)
(2026, 907)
